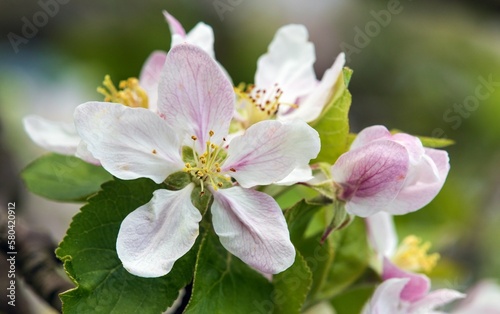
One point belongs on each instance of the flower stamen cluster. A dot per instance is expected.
(412, 255)
(206, 166)
(130, 93)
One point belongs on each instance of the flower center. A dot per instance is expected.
(206, 167)
(259, 104)
(129, 93)
(412, 255)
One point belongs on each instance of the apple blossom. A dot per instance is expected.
(483, 298)
(195, 108)
(391, 173)
(285, 82)
(388, 298)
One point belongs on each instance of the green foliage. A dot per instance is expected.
(333, 124)
(352, 300)
(64, 178)
(90, 259)
(224, 284)
(291, 287)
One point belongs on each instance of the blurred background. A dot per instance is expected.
(426, 67)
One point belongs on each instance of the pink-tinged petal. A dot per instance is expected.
(435, 299)
(370, 134)
(150, 76)
(58, 137)
(202, 36)
(483, 298)
(84, 154)
(174, 25)
(423, 183)
(288, 63)
(382, 233)
(130, 143)
(416, 288)
(195, 96)
(155, 235)
(311, 107)
(371, 176)
(251, 226)
(412, 144)
(270, 150)
(299, 174)
(386, 299)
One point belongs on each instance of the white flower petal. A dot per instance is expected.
(130, 143)
(251, 226)
(150, 76)
(382, 233)
(289, 63)
(311, 107)
(155, 235)
(270, 150)
(370, 134)
(195, 96)
(435, 299)
(174, 25)
(386, 299)
(59, 137)
(84, 154)
(299, 174)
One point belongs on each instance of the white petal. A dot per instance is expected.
(150, 76)
(299, 174)
(382, 233)
(270, 150)
(83, 153)
(386, 299)
(370, 134)
(312, 105)
(202, 36)
(59, 137)
(130, 143)
(435, 299)
(251, 226)
(155, 235)
(194, 95)
(289, 63)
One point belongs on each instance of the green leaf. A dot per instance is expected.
(64, 178)
(352, 300)
(298, 218)
(90, 259)
(224, 284)
(333, 124)
(350, 260)
(291, 287)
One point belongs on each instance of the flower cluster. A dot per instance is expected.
(183, 117)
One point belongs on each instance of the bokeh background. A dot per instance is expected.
(417, 72)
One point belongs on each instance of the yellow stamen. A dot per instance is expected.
(412, 255)
(130, 93)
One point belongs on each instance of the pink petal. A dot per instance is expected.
(289, 63)
(251, 226)
(423, 183)
(155, 235)
(175, 26)
(270, 150)
(416, 288)
(370, 134)
(150, 76)
(483, 298)
(371, 176)
(58, 137)
(386, 299)
(382, 233)
(435, 299)
(312, 105)
(130, 143)
(195, 96)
